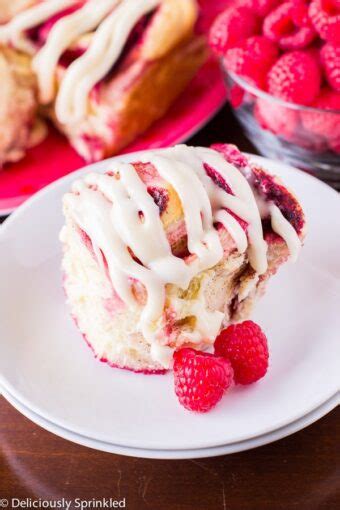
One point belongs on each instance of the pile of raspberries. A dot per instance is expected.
(291, 50)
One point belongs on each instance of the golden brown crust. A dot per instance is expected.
(151, 96)
(19, 126)
(172, 24)
(9, 8)
(146, 99)
(130, 101)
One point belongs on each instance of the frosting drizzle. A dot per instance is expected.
(121, 218)
(105, 25)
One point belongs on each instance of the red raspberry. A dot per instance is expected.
(330, 60)
(295, 78)
(325, 16)
(261, 7)
(288, 25)
(324, 124)
(231, 26)
(245, 345)
(252, 59)
(280, 120)
(300, 13)
(200, 379)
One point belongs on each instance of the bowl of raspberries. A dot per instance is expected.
(281, 61)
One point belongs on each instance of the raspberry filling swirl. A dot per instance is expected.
(123, 222)
(102, 30)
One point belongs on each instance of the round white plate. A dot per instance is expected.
(47, 367)
(280, 433)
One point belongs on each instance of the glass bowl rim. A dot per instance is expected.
(269, 97)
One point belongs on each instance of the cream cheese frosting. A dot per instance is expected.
(123, 222)
(110, 23)
(62, 35)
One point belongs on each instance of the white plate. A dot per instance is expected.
(47, 367)
(280, 433)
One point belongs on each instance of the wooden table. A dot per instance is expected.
(300, 472)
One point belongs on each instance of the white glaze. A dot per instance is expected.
(105, 49)
(109, 210)
(285, 230)
(280, 225)
(65, 32)
(14, 31)
(162, 354)
(109, 21)
(242, 203)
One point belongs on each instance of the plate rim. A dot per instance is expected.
(174, 454)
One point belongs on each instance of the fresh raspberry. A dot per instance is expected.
(324, 124)
(261, 7)
(330, 60)
(285, 123)
(325, 16)
(252, 59)
(245, 345)
(230, 27)
(295, 78)
(280, 120)
(300, 13)
(287, 26)
(200, 379)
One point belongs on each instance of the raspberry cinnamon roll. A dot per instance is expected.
(164, 252)
(20, 125)
(9, 8)
(104, 71)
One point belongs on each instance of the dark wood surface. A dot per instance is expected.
(299, 472)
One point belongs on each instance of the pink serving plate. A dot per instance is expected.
(55, 158)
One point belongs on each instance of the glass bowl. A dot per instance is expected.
(305, 137)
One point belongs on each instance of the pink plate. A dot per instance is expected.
(55, 158)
